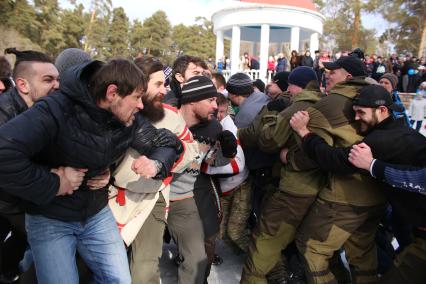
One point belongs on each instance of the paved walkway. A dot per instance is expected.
(229, 272)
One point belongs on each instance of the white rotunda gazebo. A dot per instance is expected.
(266, 27)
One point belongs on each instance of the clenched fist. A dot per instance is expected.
(145, 167)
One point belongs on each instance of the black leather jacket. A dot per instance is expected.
(11, 104)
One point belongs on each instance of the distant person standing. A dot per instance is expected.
(418, 110)
(281, 63)
(307, 59)
(294, 60)
(389, 81)
(271, 64)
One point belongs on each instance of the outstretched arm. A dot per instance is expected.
(412, 179)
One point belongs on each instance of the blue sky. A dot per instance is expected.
(185, 11)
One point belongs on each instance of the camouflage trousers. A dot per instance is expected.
(281, 215)
(236, 211)
(330, 226)
(409, 266)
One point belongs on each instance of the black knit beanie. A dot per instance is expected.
(301, 76)
(259, 84)
(281, 79)
(240, 84)
(196, 89)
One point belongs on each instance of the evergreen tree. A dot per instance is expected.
(118, 37)
(50, 36)
(409, 19)
(156, 31)
(73, 26)
(198, 39)
(21, 16)
(96, 29)
(343, 28)
(136, 38)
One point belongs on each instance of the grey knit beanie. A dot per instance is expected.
(393, 79)
(70, 57)
(197, 88)
(240, 84)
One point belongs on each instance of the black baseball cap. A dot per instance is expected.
(375, 96)
(353, 65)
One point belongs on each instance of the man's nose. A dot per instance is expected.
(140, 104)
(56, 84)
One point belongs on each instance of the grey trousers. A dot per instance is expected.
(148, 246)
(186, 229)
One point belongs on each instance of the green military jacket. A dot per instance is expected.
(249, 136)
(276, 134)
(333, 119)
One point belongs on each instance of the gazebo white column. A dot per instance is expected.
(219, 45)
(314, 44)
(295, 35)
(264, 48)
(235, 49)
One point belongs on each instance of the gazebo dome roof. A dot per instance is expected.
(305, 4)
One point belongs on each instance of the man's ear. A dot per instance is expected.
(111, 93)
(384, 109)
(180, 78)
(22, 85)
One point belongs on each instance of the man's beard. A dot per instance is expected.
(153, 109)
(368, 126)
(202, 119)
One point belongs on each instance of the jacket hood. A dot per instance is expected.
(310, 95)
(74, 84)
(349, 87)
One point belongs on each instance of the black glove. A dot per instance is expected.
(278, 105)
(228, 143)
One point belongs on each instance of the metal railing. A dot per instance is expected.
(253, 74)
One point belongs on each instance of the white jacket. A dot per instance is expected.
(236, 166)
(134, 197)
(418, 109)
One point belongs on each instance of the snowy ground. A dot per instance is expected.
(229, 272)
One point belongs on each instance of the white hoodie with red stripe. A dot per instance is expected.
(236, 168)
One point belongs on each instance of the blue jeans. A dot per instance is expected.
(54, 244)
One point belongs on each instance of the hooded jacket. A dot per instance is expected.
(67, 128)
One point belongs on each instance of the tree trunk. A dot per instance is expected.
(357, 24)
(89, 30)
(422, 39)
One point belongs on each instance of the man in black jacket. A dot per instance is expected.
(391, 141)
(88, 124)
(35, 77)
